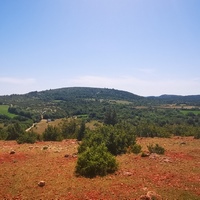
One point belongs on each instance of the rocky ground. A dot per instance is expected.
(45, 170)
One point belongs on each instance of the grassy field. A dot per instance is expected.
(42, 125)
(175, 175)
(185, 112)
(4, 111)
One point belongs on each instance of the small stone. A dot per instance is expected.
(127, 173)
(41, 183)
(145, 154)
(144, 197)
(12, 152)
(154, 156)
(167, 160)
(153, 195)
(182, 143)
(45, 148)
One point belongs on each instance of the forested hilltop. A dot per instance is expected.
(153, 115)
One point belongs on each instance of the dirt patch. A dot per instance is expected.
(13, 158)
(174, 175)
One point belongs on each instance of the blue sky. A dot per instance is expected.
(147, 47)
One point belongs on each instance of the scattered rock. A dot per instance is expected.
(127, 173)
(45, 148)
(145, 154)
(144, 197)
(154, 196)
(154, 156)
(74, 155)
(167, 160)
(182, 143)
(41, 183)
(12, 152)
(150, 196)
(145, 188)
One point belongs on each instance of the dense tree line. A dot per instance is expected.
(108, 106)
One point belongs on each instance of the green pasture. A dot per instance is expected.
(82, 116)
(4, 111)
(185, 112)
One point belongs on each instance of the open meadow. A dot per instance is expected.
(4, 111)
(174, 175)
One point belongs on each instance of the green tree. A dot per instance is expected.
(3, 134)
(110, 117)
(27, 137)
(81, 131)
(14, 131)
(69, 128)
(52, 133)
(117, 138)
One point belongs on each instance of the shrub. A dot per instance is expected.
(94, 161)
(116, 138)
(197, 135)
(14, 131)
(52, 133)
(81, 131)
(136, 148)
(69, 129)
(3, 134)
(27, 137)
(156, 149)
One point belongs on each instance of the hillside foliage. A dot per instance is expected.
(149, 116)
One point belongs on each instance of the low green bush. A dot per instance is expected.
(3, 134)
(27, 137)
(52, 133)
(136, 148)
(156, 149)
(116, 138)
(95, 161)
(197, 135)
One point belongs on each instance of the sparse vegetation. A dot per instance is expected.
(27, 137)
(116, 138)
(106, 122)
(197, 134)
(174, 175)
(156, 149)
(136, 148)
(52, 133)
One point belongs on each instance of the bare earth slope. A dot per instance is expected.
(175, 175)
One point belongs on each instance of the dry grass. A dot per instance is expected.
(42, 125)
(175, 175)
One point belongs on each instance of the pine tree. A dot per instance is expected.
(81, 131)
(110, 117)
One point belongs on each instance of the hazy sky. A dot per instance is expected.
(147, 47)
